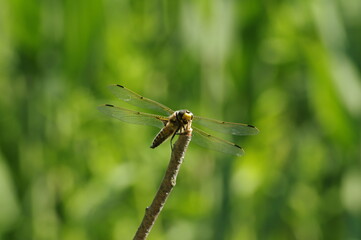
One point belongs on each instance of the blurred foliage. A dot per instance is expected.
(291, 68)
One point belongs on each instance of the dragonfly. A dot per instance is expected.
(174, 122)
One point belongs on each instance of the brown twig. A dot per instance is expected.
(168, 182)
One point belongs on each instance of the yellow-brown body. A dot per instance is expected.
(177, 122)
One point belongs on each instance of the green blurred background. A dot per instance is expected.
(291, 68)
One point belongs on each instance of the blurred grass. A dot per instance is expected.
(291, 68)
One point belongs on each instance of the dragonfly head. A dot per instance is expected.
(184, 116)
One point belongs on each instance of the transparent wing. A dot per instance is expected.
(134, 117)
(205, 140)
(137, 100)
(226, 127)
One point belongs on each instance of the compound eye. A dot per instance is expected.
(187, 116)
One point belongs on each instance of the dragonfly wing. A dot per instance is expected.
(205, 140)
(226, 127)
(134, 117)
(137, 100)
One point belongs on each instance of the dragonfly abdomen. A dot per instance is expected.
(165, 133)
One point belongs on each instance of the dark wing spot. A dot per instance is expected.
(138, 112)
(209, 135)
(120, 86)
(141, 97)
(109, 105)
(237, 146)
(223, 122)
(251, 126)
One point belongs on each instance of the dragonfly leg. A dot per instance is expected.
(175, 133)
